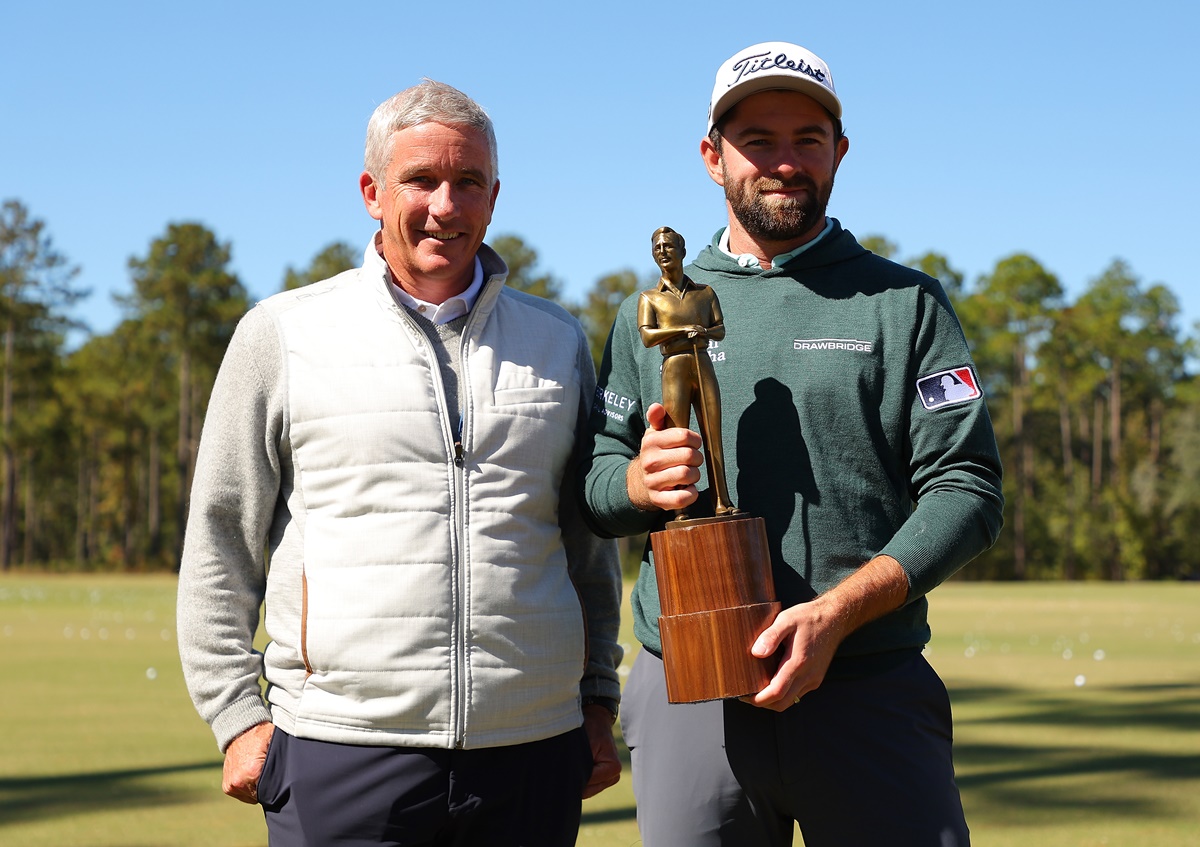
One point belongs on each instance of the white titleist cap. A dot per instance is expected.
(772, 65)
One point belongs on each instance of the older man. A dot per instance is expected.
(388, 462)
(873, 492)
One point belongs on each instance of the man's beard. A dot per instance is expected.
(777, 220)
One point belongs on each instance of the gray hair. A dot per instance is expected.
(427, 101)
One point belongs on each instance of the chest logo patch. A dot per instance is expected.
(809, 345)
(949, 388)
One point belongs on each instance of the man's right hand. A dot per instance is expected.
(664, 474)
(244, 760)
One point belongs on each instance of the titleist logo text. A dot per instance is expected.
(765, 61)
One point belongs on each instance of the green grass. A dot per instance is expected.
(1077, 710)
(1077, 717)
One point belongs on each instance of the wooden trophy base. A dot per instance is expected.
(716, 596)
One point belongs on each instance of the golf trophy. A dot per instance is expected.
(714, 573)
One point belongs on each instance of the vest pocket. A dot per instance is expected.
(536, 395)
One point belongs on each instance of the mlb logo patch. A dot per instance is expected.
(947, 388)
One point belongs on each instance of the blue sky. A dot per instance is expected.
(1066, 130)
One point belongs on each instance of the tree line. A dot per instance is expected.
(1097, 416)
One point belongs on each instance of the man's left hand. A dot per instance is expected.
(606, 765)
(807, 635)
(806, 638)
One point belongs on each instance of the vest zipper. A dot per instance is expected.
(453, 433)
(461, 565)
(461, 589)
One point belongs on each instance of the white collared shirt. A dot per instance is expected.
(448, 310)
(748, 260)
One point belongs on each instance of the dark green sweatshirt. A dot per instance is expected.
(853, 424)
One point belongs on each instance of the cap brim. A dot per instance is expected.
(777, 82)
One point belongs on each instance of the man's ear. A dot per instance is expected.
(712, 161)
(370, 195)
(843, 147)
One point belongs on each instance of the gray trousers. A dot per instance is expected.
(857, 763)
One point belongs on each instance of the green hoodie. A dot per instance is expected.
(853, 424)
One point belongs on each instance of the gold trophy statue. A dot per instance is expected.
(713, 574)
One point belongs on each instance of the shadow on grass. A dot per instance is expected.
(1047, 762)
(625, 813)
(1071, 742)
(31, 798)
(1161, 708)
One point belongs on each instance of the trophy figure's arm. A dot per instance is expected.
(672, 336)
(654, 336)
(715, 331)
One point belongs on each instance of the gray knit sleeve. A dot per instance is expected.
(593, 562)
(222, 578)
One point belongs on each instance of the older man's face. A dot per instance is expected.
(435, 203)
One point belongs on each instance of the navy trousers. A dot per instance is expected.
(318, 794)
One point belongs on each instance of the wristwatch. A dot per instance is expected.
(609, 704)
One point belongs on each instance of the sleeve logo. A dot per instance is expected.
(612, 405)
(948, 388)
